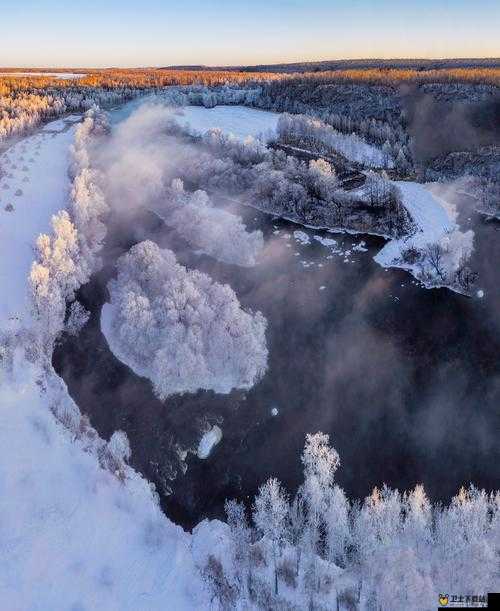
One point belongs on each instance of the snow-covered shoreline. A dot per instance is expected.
(435, 224)
(35, 186)
(436, 227)
(79, 525)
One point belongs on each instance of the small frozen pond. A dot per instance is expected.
(237, 120)
(240, 121)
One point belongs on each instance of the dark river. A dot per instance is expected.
(405, 380)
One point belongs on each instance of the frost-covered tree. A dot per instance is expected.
(119, 446)
(77, 318)
(297, 527)
(55, 275)
(338, 535)
(241, 540)
(320, 462)
(270, 512)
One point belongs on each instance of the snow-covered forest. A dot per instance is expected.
(71, 497)
(320, 550)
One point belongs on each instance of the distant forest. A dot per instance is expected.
(356, 64)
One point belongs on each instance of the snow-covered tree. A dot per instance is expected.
(270, 517)
(119, 446)
(241, 539)
(338, 535)
(77, 318)
(297, 527)
(320, 463)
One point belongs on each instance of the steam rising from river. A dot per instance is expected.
(170, 324)
(141, 164)
(405, 376)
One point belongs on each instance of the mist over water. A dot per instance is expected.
(405, 380)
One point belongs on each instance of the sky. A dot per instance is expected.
(129, 33)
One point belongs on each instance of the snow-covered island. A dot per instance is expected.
(179, 329)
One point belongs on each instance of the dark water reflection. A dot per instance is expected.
(406, 381)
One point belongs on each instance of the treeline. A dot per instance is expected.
(67, 257)
(22, 111)
(481, 72)
(134, 78)
(319, 550)
(364, 64)
(397, 76)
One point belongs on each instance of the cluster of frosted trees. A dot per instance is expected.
(22, 111)
(209, 97)
(318, 550)
(487, 192)
(287, 186)
(319, 137)
(445, 262)
(372, 111)
(66, 258)
(179, 328)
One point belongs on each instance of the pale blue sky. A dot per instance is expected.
(156, 33)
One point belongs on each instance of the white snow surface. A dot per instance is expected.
(43, 160)
(435, 219)
(208, 442)
(302, 237)
(240, 121)
(73, 535)
(325, 241)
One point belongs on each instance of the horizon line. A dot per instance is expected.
(188, 66)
